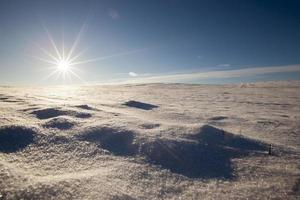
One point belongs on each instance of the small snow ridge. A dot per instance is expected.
(3, 98)
(210, 135)
(56, 112)
(118, 142)
(217, 118)
(83, 115)
(149, 126)
(10, 99)
(31, 108)
(42, 191)
(14, 138)
(59, 140)
(296, 187)
(59, 123)
(85, 107)
(48, 113)
(140, 105)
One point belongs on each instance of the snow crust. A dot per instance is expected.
(150, 141)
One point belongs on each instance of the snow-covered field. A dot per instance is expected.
(151, 141)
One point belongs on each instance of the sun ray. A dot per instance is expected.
(49, 68)
(46, 52)
(76, 75)
(64, 61)
(44, 60)
(173, 154)
(64, 76)
(58, 75)
(69, 77)
(50, 75)
(110, 56)
(52, 42)
(77, 56)
(63, 45)
(76, 40)
(75, 69)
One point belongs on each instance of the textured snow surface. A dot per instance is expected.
(151, 141)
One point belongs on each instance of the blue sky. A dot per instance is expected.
(152, 40)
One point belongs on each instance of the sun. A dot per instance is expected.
(63, 65)
(63, 61)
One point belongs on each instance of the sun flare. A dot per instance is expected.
(63, 65)
(64, 60)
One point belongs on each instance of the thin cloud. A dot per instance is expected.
(133, 74)
(217, 74)
(114, 14)
(224, 65)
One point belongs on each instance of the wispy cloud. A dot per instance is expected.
(133, 74)
(114, 14)
(186, 77)
(224, 65)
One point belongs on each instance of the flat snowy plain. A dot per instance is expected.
(151, 141)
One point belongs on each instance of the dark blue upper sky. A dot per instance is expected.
(150, 38)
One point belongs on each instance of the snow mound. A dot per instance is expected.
(3, 98)
(209, 135)
(85, 107)
(118, 142)
(149, 126)
(206, 154)
(217, 118)
(82, 115)
(41, 191)
(14, 138)
(140, 105)
(11, 100)
(60, 123)
(296, 187)
(56, 112)
(48, 113)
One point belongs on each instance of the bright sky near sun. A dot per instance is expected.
(94, 41)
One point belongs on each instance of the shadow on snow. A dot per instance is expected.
(140, 105)
(15, 138)
(206, 154)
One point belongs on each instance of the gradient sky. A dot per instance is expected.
(153, 40)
